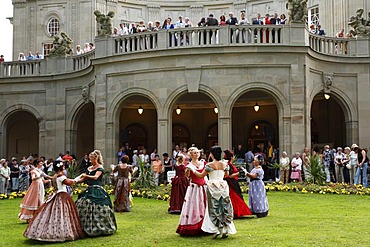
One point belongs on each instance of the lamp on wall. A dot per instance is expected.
(256, 107)
(140, 110)
(178, 110)
(326, 96)
(215, 110)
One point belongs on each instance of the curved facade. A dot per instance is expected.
(91, 101)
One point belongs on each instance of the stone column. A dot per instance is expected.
(164, 143)
(224, 132)
(19, 31)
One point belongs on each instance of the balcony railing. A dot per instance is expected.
(47, 66)
(245, 35)
(330, 45)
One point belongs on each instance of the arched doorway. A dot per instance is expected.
(327, 122)
(135, 134)
(137, 123)
(197, 112)
(85, 130)
(180, 135)
(212, 135)
(253, 109)
(22, 135)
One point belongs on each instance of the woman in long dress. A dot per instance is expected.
(57, 219)
(34, 197)
(195, 202)
(219, 213)
(94, 205)
(122, 186)
(257, 193)
(180, 184)
(239, 206)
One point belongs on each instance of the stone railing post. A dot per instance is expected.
(295, 34)
(162, 40)
(104, 46)
(224, 35)
(362, 46)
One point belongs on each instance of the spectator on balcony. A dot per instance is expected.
(141, 27)
(202, 22)
(188, 22)
(38, 56)
(79, 51)
(258, 21)
(30, 57)
(232, 20)
(21, 57)
(157, 26)
(122, 29)
(223, 20)
(320, 31)
(92, 47)
(167, 25)
(1, 58)
(115, 32)
(283, 19)
(244, 32)
(275, 21)
(150, 27)
(211, 21)
(312, 29)
(133, 28)
(267, 21)
(180, 23)
(340, 34)
(86, 48)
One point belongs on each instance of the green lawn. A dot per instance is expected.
(294, 219)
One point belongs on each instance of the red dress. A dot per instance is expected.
(239, 205)
(179, 185)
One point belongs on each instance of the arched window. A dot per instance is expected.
(180, 135)
(53, 26)
(134, 134)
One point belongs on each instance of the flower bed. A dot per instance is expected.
(163, 192)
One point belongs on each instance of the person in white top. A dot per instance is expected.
(122, 29)
(297, 165)
(353, 163)
(284, 169)
(338, 161)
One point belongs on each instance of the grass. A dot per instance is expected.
(294, 220)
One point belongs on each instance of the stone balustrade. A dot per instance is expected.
(340, 47)
(47, 66)
(197, 37)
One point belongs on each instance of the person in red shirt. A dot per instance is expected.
(1, 58)
(67, 157)
(267, 21)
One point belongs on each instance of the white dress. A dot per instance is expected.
(219, 214)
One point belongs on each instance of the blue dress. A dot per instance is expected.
(257, 194)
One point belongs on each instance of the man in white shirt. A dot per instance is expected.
(122, 29)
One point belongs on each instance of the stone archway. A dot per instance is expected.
(85, 130)
(22, 135)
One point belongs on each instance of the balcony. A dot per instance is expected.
(294, 35)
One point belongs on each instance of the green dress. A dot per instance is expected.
(95, 208)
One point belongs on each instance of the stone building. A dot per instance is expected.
(197, 86)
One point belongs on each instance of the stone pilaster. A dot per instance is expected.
(163, 142)
(196, 13)
(224, 132)
(154, 12)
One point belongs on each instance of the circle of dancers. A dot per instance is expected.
(206, 194)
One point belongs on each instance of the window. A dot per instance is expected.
(314, 16)
(46, 48)
(53, 27)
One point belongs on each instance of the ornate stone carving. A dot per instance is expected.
(359, 24)
(62, 45)
(297, 10)
(104, 22)
(85, 93)
(328, 81)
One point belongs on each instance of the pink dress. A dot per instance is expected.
(194, 207)
(34, 197)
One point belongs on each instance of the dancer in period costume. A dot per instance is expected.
(94, 205)
(239, 206)
(219, 214)
(57, 219)
(179, 185)
(122, 186)
(195, 202)
(35, 194)
(257, 193)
